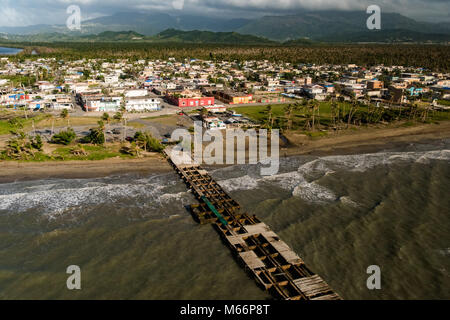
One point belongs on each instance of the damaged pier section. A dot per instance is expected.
(275, 267)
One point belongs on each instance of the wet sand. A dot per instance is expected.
(11, 171)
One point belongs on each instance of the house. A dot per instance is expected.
(270, 99)
(103, 104)
(415, 92)
(188, 98)
(234, 98)
(136, 93)
(216, 108)
(397, 94)
(45, 86)
(315, 92)
(213, 123)
(374, 85)
(142, 104)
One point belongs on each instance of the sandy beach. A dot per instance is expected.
(365, 140)
(11, 171)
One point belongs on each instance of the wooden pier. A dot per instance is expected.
(269, 260)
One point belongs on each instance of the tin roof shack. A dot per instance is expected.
(213, 123)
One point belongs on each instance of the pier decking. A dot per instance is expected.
(269, 260)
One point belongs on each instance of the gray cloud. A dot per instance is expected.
(27, 12)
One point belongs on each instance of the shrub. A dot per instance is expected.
(95, 136)
(147, 142)
(64, 137)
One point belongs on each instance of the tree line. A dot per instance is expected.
(432, 57)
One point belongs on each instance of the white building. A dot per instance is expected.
(103, 104)
(142, 104)
(136, 93)
(62, 106)
(213, 123)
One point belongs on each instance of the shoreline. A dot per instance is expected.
(13, 171)
(362, 141)
(367, 140)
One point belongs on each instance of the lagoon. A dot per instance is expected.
(9, 51)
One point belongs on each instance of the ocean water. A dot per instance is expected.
(9, 51)
(133, 238)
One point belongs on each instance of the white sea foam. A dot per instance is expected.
(310, 190)
(58, 197)
(241, 183)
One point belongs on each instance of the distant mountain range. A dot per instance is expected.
(169, 35)
(322, 26)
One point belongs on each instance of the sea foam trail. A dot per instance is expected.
(56, 196)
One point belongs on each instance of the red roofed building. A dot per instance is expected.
(188, 98)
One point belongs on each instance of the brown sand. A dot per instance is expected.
(365, 140)
(11, 171)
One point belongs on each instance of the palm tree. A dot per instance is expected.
(106, 118)
(52, 117)
(101, 125)
(270, 118)
(288, 111)
(65, 115)
(352, 111)
(118, 116)
(203, 112)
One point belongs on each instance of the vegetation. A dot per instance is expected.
(87, 152)
(64, 137)
(433, 57)
(145, 141)
(313, 116)
(96, 135)
(22, 147)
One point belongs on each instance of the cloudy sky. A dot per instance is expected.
(29, 12)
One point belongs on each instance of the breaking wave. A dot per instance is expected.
(54, 197)
(304, 181)
(57, 196)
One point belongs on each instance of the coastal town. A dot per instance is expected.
(213, 92)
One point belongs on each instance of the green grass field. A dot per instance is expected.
(324, 115)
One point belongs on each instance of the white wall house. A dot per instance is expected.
(62, 106)
(136, 93)
(103, 105)
(213, 123)
(142, 104)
